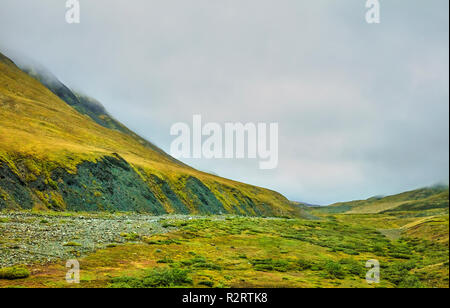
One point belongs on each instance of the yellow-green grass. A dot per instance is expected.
(434, 229)
(434, 199)
(256, 252)
(14, 273)
(431, 227)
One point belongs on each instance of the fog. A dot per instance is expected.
(363, 109)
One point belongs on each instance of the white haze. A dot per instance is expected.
(362, 109)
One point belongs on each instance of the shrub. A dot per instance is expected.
(397, 272)
(303, 265)
(11, 273)
(353, 267)
(200, 262)
(159, 242)
(206, 283)
(334, 270)
(72, 244)
(157, 278)
(132, 237)
(165, 260)
(267, 265)
(410, 281)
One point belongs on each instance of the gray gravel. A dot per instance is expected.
(27, 238)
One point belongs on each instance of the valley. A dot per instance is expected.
(143, 251)
(62, 151)
(76, 184)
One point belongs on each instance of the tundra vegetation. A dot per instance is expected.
(221, 251)
(76, 183)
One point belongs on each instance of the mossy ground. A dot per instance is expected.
(12, 273)
(260, 252)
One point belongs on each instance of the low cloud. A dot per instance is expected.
(362, 109)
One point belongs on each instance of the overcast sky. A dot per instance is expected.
(363, 109)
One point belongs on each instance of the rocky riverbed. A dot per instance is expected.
(27, 238)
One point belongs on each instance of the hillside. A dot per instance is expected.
(61, 150)
(84, 104)
(425, 199)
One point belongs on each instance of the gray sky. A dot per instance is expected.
(363, 109)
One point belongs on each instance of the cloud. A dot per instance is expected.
(363, 109)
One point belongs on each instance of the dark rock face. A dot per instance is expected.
(13, 191)
(171, 196)
(107, 185)
(246, 204)
(110, 184)
(204, 200)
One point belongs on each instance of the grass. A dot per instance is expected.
(157, 278)
(429, 198)
(259, 252)
(39, 133)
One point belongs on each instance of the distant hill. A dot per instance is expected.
(429, 198)
(61, 150)
(304, 204)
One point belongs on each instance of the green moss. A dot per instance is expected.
(3, 195)
(72, 244)
(132, 237)
(52, 184)
(12, 273)
(33, 167)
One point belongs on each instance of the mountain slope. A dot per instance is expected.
(56, 155)
(84, 104)
(430, 198)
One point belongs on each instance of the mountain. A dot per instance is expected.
(61, 150)
(434, 198)
(304, 204)
(84, 104)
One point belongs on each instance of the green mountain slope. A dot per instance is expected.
(430, 198)
(61, 150)
(85, 104)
